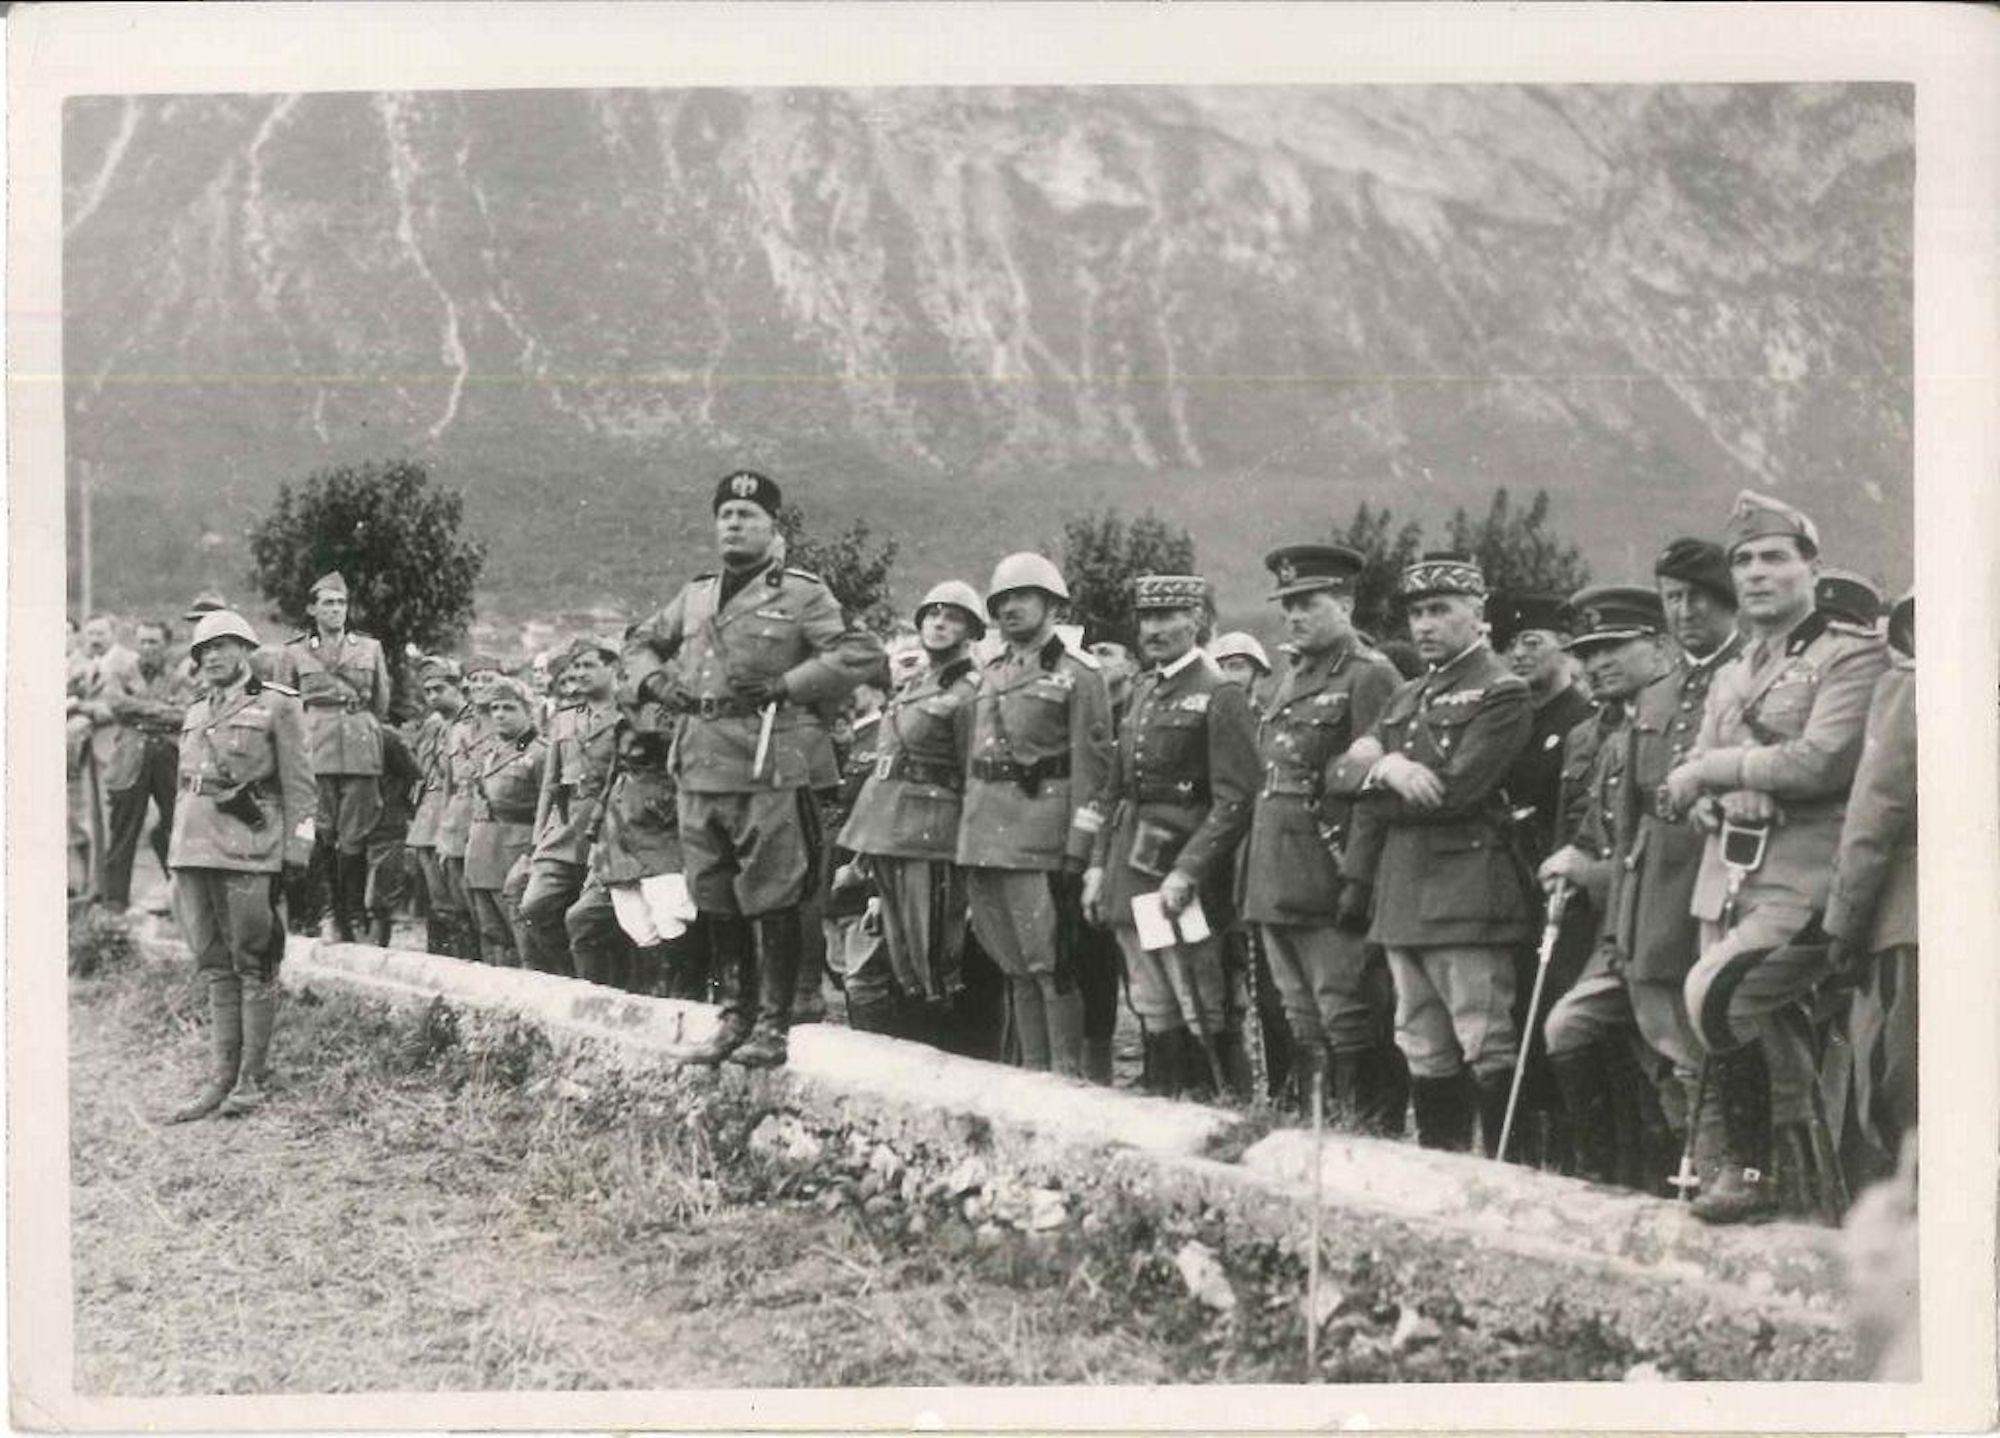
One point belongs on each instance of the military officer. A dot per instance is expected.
(582, 740)
(1041, 752)
(506, 779)
(1781, 735)
(145, 758)
(1332, 691)
(759, 649)
(343, 679)
(1183, 774)
(246, 813)
(1528, 632)
(905, 823)
(1871, 914)
(1243, 661)
(464, 746)
(1848, 596)
(1621, 638)
(630, 927)
(444, 704)
(1451, 903)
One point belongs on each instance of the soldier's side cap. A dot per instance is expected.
(1302, 568)
(440, 666)
(206, 602)
(747, 484)
(956, 594)
(1514, 614)
(1847, 595)
(1701, 563)
(330, 583)
(1758, 516)
(221, 624)
(1170, 591)
(1607, 614)
(602, 645)
(1442, 572)
(1902, 625)
(1238, 645)
(484, 664)
(505, 686)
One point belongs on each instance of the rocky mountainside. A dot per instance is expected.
(964, 313)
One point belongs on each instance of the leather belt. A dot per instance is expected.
(1009, 771)
(1183, 791)
(944, 774)
(720, 706)
(204, 784)
(1302, 788)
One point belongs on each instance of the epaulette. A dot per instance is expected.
(276, 688)
(699, 578)
(1852, 630)
(301, 637)
(805, 574)
(1081, 656)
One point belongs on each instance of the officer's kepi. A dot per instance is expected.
(750, 487)
(1608, 614)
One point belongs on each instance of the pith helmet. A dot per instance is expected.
(1238, 645)
(1026, 570)
(959, 595)
(222, 624)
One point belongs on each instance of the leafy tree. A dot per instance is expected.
(392, 535)
(1515, 548)
(1103, 553)
(854, 563)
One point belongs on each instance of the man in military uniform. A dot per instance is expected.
(246, 812)
(464, 746)
(582, 740)
(343, 680)
(904, 829)
(1331, 693)
(1621, 638)
(444, 704)
(1848, 596)
(1780, 738)
(1451, 904)
(1528, 631)
(1041, 753)
(506, 780)
(1871, 914)
(1243, 661)
(760, 649)
(388, 851)
(145, 757)
(1182, 777)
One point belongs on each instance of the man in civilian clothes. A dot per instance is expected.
(1780, 738)
(145, 757)
(1041, 752)
(1337, 1004)
(1451, 903)
(246, 813)
(757, 652)
(343, 680)
(1183, 774)
(904, 830)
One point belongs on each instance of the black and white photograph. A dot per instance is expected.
(1016, 736)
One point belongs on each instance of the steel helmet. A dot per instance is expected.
(1026, 570)
(222, 624)
(1238, 645)
(959, 595)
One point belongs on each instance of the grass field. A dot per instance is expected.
(436, 1203)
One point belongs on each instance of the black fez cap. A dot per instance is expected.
(1699, 562)
(1613, 613)
(1302, 568)
(1513, 614)
(747, 484)
(1847, 595)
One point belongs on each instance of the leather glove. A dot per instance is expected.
(1073, 866)
(1350, 911)
(659, 688)
(1176, 892)
(757, 690)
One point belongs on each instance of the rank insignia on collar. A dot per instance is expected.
(1195, 704)
(772, 614)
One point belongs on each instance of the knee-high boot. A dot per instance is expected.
(1444, 1112)
(1065, 1020)
(780, 942)
(1030, 1021)
(1582, 1082)
(733, 974)
(260, 1015)
(225, 1047)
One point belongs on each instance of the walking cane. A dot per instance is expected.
(1253, 1022)
(1558, 900)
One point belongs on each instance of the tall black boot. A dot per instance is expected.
(225, 1045)
(1581, 1081)
(253, 1079)
(1197, 1066)
(1491, 1091)
(1743, 1187)
(1161, 1074)
(732, 946)
(1629, 1093)
(1382, 1091)
(1235, 1059)
(1444, 1112)
(780, 939)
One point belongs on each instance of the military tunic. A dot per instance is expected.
(581, 741)
(507, 779)
(749, 836)
(344, 686)
(427, 749)
(1542, 778)
(1786, 717)
(905, 824)
(245, 811)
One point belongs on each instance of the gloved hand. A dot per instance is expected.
(758, 690)
(1176, 893)
(1749, 806)
(1682, 788)
(660, 687)
(1350, 910)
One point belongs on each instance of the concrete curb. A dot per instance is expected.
(1763, 1302)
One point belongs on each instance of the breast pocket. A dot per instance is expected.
(1442, 734)
(243, 742)
(1470, 875)
(1039, 716)
(1179, 740)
